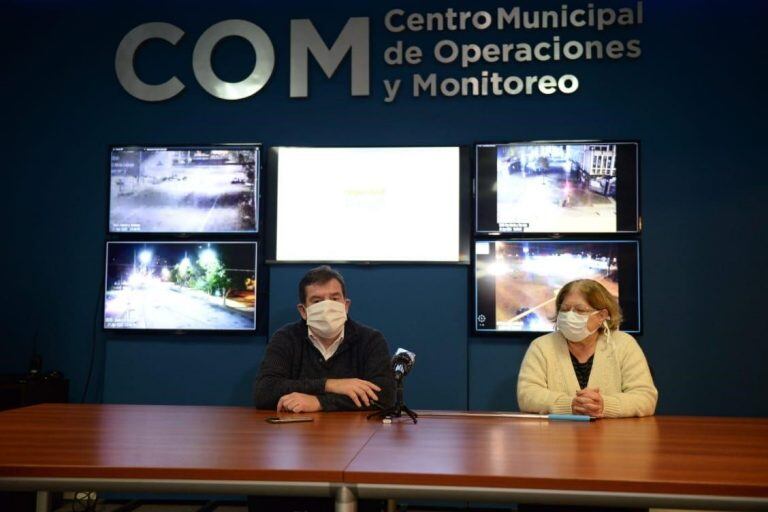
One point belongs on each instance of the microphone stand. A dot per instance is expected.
(397, 410)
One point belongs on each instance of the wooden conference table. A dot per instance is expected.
(682, 462)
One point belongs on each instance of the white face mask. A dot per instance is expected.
(326, 318)
(573, 325)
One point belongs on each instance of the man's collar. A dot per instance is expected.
(327, 351)
(315, 339)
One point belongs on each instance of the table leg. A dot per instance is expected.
(346, 501)
(43, 501)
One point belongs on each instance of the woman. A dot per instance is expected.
(587, 366)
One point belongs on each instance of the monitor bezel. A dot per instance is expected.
(259, 315)
(465, 190)
(258, 191)
(530, 335)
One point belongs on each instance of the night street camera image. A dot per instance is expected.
(180, 286)
(545, 188)
(523, 278)
(203, 189)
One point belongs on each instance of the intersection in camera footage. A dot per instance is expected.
(570, 187)
(180, 286)
(183, 191)
(529, 277)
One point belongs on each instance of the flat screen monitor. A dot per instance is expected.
(184, 189)
(371, 204)
(557, 187)
(180, 286)
(517, 281)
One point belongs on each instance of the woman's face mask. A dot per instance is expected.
(573, 325)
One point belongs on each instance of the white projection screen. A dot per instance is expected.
(378, 204)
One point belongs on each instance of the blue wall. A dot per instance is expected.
(693, 99)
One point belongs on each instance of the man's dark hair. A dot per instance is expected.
(319, 275)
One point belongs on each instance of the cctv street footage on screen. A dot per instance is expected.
(180, 286)
(516, 282)
(557, 187)
(189, 189)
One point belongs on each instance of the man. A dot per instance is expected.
(325, 361)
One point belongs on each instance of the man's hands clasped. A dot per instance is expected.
(360, 391)
(298, 402)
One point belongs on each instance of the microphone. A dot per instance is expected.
(402, 362)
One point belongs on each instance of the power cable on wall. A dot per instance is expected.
(94, 336)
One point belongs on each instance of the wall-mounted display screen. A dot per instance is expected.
(184, 189)
(516, 281)
(180, 286)
(557, 187)
(377, 204)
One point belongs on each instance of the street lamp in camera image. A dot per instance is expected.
(184, 189)
(557, 187)
(185, 286)
(517, 281)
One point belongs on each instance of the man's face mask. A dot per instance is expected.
(326, 319)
